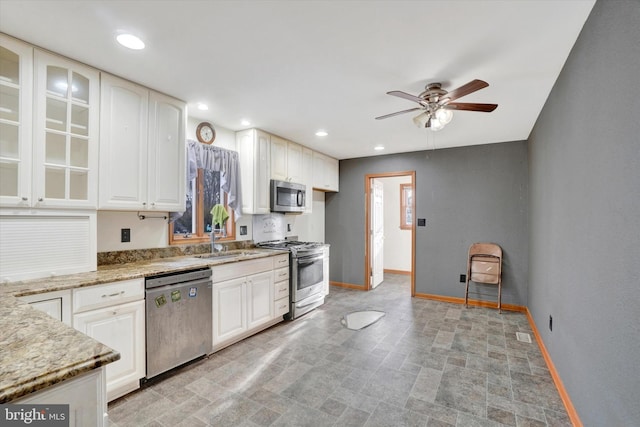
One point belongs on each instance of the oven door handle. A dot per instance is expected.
(309, 259)
(311, 300)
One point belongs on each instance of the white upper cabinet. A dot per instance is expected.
(65, 140)
(286, 160)
(142, 148)
(278, 158)
(325, 172)
(167, 153)
(254, 152)
(56, 166)
(16, 83)
(307, 177)
(124, 112)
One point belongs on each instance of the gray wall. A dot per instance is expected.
(467, 195)
(584, 162)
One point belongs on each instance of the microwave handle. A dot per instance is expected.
(300, 198)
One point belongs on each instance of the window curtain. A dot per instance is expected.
(209, 157)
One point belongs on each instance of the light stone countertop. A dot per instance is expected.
(37, 351)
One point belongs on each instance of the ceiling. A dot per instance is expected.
(292, 68)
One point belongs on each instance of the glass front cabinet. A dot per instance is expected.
(48, 129)
(65, 151)
(16, 83)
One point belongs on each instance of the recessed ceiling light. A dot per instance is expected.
(245, 122)
(322, 133)
(130, 41)
(202, 106)
(378, 148)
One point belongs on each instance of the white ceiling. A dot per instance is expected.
(295, 67)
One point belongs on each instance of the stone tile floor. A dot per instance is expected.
(425, 363)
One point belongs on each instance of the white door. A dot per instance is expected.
(377, 233)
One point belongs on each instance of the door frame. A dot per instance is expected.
(367, 221)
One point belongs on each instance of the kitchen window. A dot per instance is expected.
(195, 225)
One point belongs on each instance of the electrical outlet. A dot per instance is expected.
(463, 278)
(125, 235)
(550, 322)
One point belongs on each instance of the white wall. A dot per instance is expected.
(397, 242)
(309, 227)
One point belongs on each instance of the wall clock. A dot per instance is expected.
(206, 133)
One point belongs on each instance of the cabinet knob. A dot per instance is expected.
(153, 203)
(40, 199)
(144, 203)
(24, 199)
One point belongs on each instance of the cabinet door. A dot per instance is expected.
(229, 309)
(122, 328)
(124, 111)
(260, 291)
(16, 82)
(278, 159)
(166, 153)
(263, 163)
(83, 393)
(66, 133)
(56, 304)
(307, 177)
(253, 149)
(294, 163)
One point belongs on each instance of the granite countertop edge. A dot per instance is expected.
(37, 351)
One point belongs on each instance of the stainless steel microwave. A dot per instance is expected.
(287, 197)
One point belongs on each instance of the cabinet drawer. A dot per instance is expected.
(233, 270)
(282, 290)
(281, 307)
(93, 297)
(281, 261)
(281, 274)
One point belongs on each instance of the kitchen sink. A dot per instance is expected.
(227, 255)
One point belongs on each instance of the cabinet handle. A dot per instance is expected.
(282, 274)
(283, 260)
(40, 199)
(153, 203)
(113, 295)
(24, 199)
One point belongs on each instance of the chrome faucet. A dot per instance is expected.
(215, 247)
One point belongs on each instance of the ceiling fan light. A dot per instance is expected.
(436, 124)
(421, 120)
(444, 116)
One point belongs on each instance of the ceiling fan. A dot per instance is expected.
(437, 106)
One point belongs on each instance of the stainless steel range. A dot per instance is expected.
(309, 268)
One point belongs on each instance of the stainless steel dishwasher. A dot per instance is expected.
(178, 319)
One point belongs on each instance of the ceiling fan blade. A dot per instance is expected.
(398, 112)
(468, 106)
(464, 90)
(405, 95)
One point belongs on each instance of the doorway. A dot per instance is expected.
(401, 198)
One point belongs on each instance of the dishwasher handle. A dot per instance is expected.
(176, 286)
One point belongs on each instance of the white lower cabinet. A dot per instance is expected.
(229, 309)
(260, 298)
(243, 299)
(107, 314)
(85, 395)
(56, 304)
